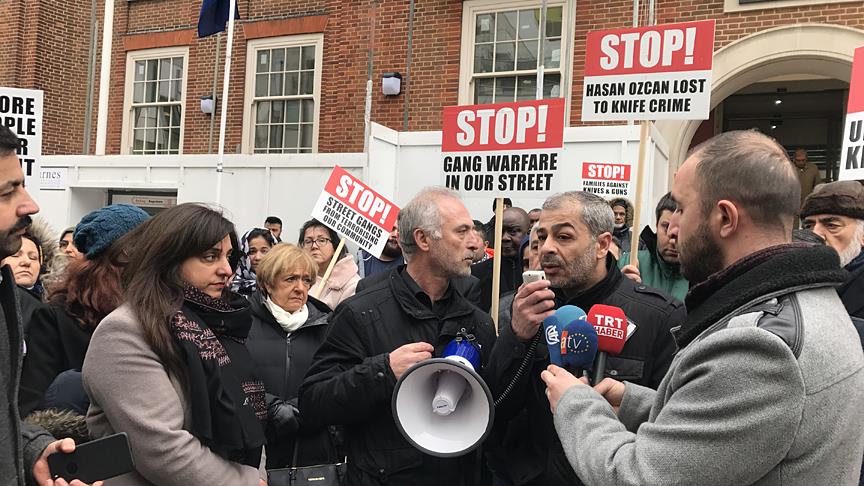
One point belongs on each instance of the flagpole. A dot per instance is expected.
(226, 79)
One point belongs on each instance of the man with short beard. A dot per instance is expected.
(375, 336)
(24, 448)
(835, 211)
(391, 257)
(767, 385)
(574, 233)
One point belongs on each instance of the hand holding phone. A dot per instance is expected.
(532, 304)
(94, 461)
(533, 275)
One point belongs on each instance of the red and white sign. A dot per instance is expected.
(607, 179)
(852, 155)
(649, 73)
(355, 211)
(503, 149)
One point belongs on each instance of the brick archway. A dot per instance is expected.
(822, 49)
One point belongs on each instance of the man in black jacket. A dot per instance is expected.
(514, 227)
(378, 334)
(574, 232)
(835, 211)
(24, 448)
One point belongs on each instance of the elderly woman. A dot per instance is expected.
(321, 242)
(169, 367)
(287, 328)
(253, 246)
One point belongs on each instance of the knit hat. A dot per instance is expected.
(842, 198)
(96, 231)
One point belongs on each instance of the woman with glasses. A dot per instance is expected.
(170, 368)
(321, 242)
(253, 246)
(288, 326)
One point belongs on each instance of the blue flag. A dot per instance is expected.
(214, 17)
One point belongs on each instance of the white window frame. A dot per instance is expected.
(252, 46)
(126, 139)
(472, 8)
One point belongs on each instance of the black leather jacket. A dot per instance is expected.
(525, 449)
(351, 382)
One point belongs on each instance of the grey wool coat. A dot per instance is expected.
(736, 407)
(130, 391)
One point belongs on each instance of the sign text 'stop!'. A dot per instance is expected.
(687, 46)
(525, 125)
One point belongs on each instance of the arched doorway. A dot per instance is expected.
(804, 49)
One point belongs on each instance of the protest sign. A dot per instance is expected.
(852, 155)
(505, 148)
(607, 179)
(649, 73)
(355, 211)
(21, 112)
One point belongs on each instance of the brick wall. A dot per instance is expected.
(47, 46)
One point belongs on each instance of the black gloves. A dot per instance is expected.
(283, 415)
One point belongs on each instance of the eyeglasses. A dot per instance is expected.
(320, 242)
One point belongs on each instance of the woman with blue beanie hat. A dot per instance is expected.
(96, 231)
(60, 331)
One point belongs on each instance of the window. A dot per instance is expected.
(283, 89)
(155, 95)
(503, 52)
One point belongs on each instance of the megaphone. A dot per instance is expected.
(441, 405)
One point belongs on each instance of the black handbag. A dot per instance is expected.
(319, 475)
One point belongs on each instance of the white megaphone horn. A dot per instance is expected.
(441, 405)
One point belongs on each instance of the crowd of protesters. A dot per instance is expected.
(227, 356)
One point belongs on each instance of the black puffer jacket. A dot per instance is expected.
(282, 361)
(528, 451)
(351, 382)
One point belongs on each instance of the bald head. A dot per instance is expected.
(751, 170)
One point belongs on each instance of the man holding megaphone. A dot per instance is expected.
(377, 336)
(555, 317)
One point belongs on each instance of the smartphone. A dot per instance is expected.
(533, 276)
(94, 461)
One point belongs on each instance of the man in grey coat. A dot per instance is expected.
(24, 448)
(767, 386)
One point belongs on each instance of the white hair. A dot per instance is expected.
(853, 249)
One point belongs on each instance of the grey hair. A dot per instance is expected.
(596, 213)
(422, 213)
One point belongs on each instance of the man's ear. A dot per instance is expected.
(604, 241)
(421, 239)
(726, 216)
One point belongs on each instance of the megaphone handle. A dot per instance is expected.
(599, 368)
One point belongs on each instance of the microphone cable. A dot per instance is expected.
(529, 355)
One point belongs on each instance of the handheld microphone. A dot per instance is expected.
(610, 323)
(555, 324)
(578, 344)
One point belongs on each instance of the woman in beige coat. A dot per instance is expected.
(321, 243)
(169, 367)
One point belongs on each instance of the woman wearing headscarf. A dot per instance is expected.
(321, 243)
(254, 244)
(59, 333)
(288, 326)
(169, 367)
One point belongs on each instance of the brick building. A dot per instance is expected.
(299, 68)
